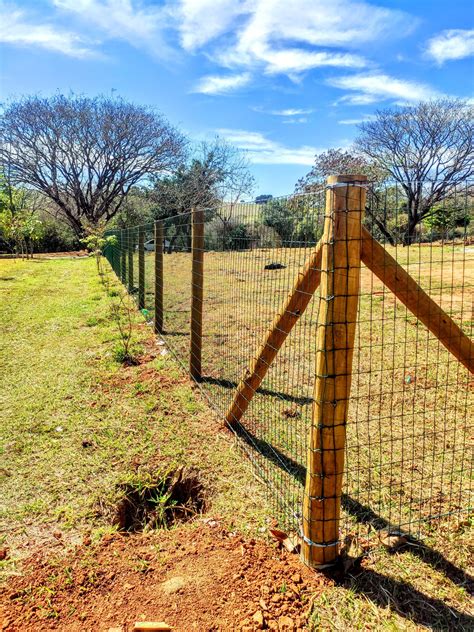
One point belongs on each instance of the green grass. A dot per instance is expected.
(62, 390)
(61, 386)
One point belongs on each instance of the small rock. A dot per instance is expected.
(296, 578)
(259, 620)
(286, 624)
(275, 266)
(173, 585)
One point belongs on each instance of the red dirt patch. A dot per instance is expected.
(194, 578)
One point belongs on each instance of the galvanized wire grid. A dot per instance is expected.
(408, 458)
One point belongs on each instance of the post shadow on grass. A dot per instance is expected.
(230, 384)
(384, 591)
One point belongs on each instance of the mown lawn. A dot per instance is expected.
(76, 425)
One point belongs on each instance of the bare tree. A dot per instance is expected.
(215, 178)
(343, 161)
(427, 149)
(337, 162)
(85, 154)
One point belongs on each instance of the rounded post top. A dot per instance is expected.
(346, 178)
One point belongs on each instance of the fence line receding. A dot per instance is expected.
(337, 346)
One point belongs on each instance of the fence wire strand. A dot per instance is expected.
(408, 458)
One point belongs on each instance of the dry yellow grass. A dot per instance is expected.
(408, 437)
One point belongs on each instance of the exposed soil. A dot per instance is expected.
(195, 577)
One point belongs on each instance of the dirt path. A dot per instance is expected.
(198, 577)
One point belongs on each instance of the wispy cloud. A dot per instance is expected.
(262, 150)
(291, 112)
(295, 121)
(280, 37)
(450, 45)
(283, 112)
(356, 121)
(17, 29)
(374, 87)
(142, 26)
(221, 84)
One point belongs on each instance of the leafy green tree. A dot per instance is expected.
(19, 225)
(277, 214)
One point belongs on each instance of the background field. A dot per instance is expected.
(409, 433)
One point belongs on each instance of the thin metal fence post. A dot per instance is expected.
(131, 246)
(197, 290)
(159, 243)
(123, 257)
(339, 295)
(141, 267)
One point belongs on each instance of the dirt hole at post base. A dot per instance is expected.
(161, 502)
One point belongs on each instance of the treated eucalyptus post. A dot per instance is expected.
(197, 289)
(130, 248)
(339, 296)
(159, 242)
(141, 267)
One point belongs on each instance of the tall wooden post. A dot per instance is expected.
(339, 292)
(197, 290)
(130, 248)
(141, 267)
(159, 242)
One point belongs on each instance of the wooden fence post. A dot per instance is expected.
(339, 292)
(159, 243)
(141, 267)
(130, 248)
(197, 289)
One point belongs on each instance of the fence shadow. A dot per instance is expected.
(407, 601)
(230, 384)
(384, 591)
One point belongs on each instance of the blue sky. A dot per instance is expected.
(281, 79)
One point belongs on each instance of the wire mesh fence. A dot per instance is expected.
(265, 277)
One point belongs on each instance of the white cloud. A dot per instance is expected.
(356, 121)
(295, 121)
(286, 37)
(16, 29)
(284, 112)
(262, 150)
(142, 26)
(221, 84)
(200, 21)
(291, 112)
(371, 88)
(451, 44)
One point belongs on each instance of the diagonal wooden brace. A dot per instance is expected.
(295, 305)
(407, 290)
(392, 274)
